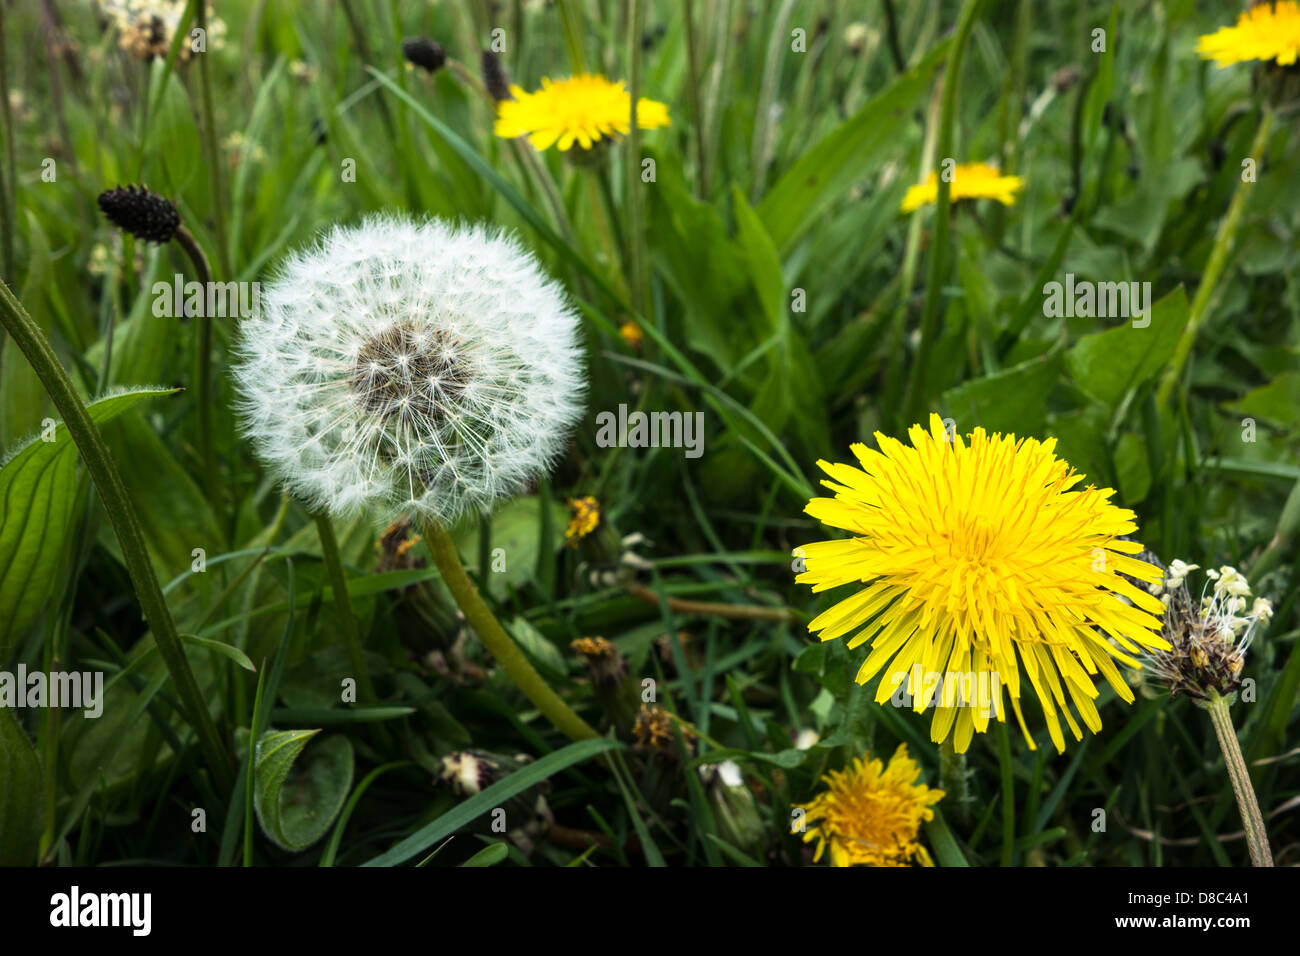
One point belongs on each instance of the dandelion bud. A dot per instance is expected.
(424, 53)
(145, 215)
(495, 77)
(615, 691)
(410, 367)
(734, 807)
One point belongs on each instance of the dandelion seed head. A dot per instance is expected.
(410, 366)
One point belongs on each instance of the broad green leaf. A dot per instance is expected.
(514, 531)
(297, 802)
(21, 794)
(1107, 364)
(1278, 401)
(37, 497)
(848, 155)
(544, 654)
(1012, 400)
(483, 801)
(22, 399)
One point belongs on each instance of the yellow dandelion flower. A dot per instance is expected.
(980, 564)
(969, 181)
(580, 109)
(586, 516)
(870, 815)
(632, 334)
(1264, 32)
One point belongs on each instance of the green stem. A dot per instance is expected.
(8, 180)
(489, 630)
(953, 779)
(572, 38)
(1219, 253)
(202, 362)
(916, 386)
(126, 525)
(1251, 818)
(636, 280)
(210, 142)
(329, 549)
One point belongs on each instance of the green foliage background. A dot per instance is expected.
(779, 181)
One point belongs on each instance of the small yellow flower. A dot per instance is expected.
(586, 516)
(976, 564)
(870, 815)
(632, 334)
(580, 109)
(969, 181)
(1264, 32)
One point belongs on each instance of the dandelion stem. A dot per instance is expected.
(202, 361)
(1223, 242)
(493, 635)
(329, 549)
(126, 526)
(917, 385)
(953, 778)
(1251, 818)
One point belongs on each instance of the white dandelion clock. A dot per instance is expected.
(404, 366)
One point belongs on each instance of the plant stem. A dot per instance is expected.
(126, 525)
(916, 386)
(8, 181)
(953, 780)
(1251, 818)
(740, 612)
(1214, 266)
(636, 280)
(202, 362)
(329, 549)
(210, 141)
(495, 639)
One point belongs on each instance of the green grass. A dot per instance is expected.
(780, 292)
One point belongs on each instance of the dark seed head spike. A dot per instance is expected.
(143, 214)
(424, 53)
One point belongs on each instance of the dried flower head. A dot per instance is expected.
(424, 53)
(1208, 643)
(146, 28)
(602, 658)
(980, 558)
(415, 367)
(653, 732)
(969, 181)
(870, 814)
(143, 214)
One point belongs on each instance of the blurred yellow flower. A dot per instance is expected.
(581, 110)
(969, 181)
(631, 333)
(870, 815)
(1264, 32)
(586, 516)
(976, 560)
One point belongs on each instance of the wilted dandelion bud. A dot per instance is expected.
(734, 808)
(424, 53)
(495, 77)
(143, 214)
(1208, 642)
(614, 688)
(414, 367)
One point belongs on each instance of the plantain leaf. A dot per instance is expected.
(296, 803)
(20, 796)
(37, 495)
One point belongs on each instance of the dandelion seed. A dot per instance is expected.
(870, 814)
(969, 181)
(979, 559)
(582, 109)
(406, 367)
